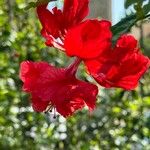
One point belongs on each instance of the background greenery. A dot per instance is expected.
(120, 121)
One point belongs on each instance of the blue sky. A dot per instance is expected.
(117, 10)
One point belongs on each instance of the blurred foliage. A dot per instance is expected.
(146, 42)
(142, 7)
(121, 120)
(34, 4)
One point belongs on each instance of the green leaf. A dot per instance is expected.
(146, 8)
(35, 4)
(30, 5)
(42, 1)
(131, 2)
(123, 26)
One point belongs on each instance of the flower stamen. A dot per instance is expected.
(54, 113)
(49, 108)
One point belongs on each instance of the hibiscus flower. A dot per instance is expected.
(121, 66)
(56, 88)
(58, 16)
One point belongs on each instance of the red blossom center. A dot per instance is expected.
(90, 32)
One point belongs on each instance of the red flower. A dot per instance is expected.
(121, 67)
(58, 88)
(89, 39)
(56, 20)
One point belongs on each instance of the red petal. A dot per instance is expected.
(127, 41)
(39, 105)
(89, 39)
(122, 68)
(49, 21)
(89, 92)
(38, 76)
(56, 23)
(75, 96)
(75, 11)
(58, 86)
(49, 39)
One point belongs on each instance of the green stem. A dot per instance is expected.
(72, 68)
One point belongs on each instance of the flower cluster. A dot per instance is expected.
(63, 27)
